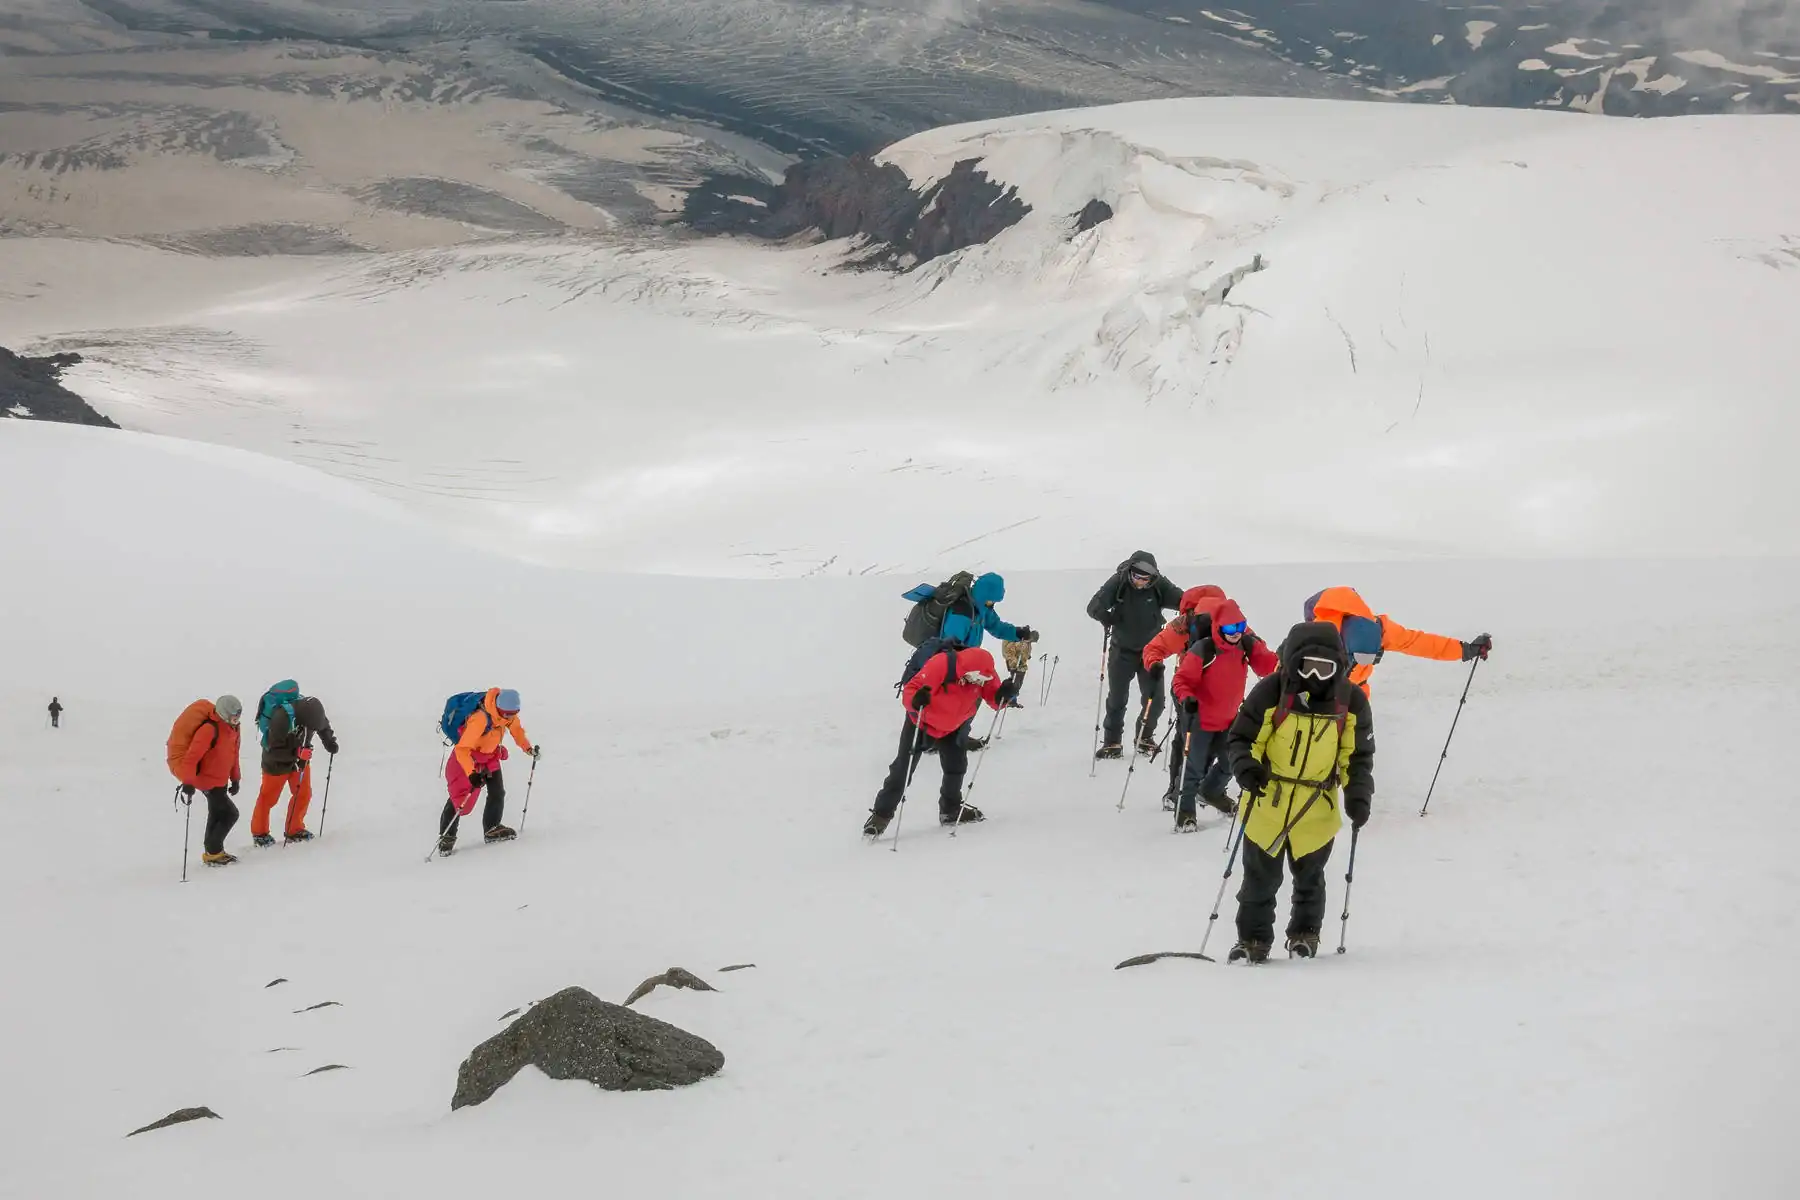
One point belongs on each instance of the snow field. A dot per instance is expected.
(1559, 980)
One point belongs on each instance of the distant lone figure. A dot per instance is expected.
(55, 713)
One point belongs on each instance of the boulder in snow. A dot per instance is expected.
(178, 1117)
(576, 1035)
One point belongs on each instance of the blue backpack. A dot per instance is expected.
(457, 711)
(924, 654)
(282, 695)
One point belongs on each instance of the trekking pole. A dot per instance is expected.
(455, 820)
(1349, 878)
(1049, 681)
(186, 827)
(1132, 769)
(325, 804)
(1453, 721)
(1242, 824)
(526, 811)
(918, 752)
(973, 776)
(1100, 700)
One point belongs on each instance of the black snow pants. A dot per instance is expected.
(491, 812)
(1262, 882)
(1123, 664)
(952, 754)
(221, 815)
(1208, 770)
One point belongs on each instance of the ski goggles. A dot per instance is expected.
(1234, 629)
(1141, 577)
(1316, 668)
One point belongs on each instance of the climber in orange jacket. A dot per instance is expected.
(1367, 636)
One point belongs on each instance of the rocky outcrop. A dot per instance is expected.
(31, 389)
(576, 1035)
(674, 977)
(857, 197)
(178, 1117)
(1094, 212)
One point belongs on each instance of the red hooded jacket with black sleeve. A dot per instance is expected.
(953, 701)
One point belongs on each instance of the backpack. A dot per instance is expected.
(186, 726)
(457, 711)
(282, 695)
(924, 654)
(931, 605)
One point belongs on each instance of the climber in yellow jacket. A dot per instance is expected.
(1303, 750)
(1367, 637)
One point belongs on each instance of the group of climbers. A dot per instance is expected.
(1301, 745)
(203, 751)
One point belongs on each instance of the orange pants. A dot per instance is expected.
(301, 783)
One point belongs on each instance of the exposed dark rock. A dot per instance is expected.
(272, 983)
(510, 1013)
(281, 1050)
(674, 977)
(31, 388)
(178, 1117)
(737, 967)
(857, 197)
(576, 1035)
(325, 1068)
(1093, 213)
(319, 1005)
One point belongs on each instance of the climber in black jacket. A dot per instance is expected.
(1130, 605)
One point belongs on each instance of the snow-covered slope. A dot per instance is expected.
(1567, 980)
(1310, 331)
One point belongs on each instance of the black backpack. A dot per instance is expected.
(931, 605)
(924, 654)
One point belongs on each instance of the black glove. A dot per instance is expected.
(1190, 706)
(537, 748)
(477, 779)
(1007, 694)
(233, 789)
(1253, 777)
(1478, 648)
(187, 793)
(921, 698)
(1028, 634)
(330, 743)
(1108, 620)
(1357, 809)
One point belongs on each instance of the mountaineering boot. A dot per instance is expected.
(1185, 823)
(1303, 945)
(501, 833)
(1147, 747)
(1222, 802)
(1110, 750)
(305, 835)
(975, 743)
(447, 845)
(262, 839)
(960, 814)
(221, 859)
(876, 825)
(1169, 800)
(1256, 952)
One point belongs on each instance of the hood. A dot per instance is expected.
(309, 713)
(989, 589)
(1141, 556)
(1226, 612)
(1190, 599)
(976, 659)
(1335, 603)
(1317, 639)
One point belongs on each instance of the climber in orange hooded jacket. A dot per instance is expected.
(1367, 637)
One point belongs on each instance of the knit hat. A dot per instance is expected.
(230, 707)
(507, 700)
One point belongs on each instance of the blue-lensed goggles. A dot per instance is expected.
(1235, 628)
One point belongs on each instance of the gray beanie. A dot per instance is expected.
(230, 707)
